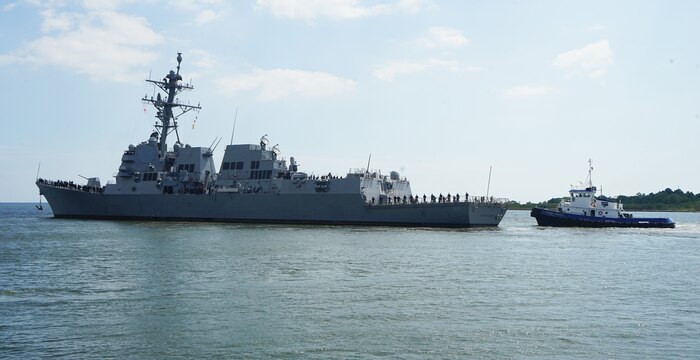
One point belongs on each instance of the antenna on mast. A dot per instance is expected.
(171, 85)
(235, 117)
(368, 161)
(179, 60)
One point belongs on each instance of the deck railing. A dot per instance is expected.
(420, 200)
(70, 185)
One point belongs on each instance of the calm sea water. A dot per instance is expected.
(124, 289)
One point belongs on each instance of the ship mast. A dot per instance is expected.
(171, 85)
(589, 180)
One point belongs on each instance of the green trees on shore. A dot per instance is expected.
(665, 200)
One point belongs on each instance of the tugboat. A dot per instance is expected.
(583, 209)
(254, 184)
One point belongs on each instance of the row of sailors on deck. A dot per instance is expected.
(324, 177)
(415, 199)
(70, 185)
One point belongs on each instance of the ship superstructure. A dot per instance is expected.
(253, 184)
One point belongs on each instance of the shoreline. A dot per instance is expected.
(524, 208)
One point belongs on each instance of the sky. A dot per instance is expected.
(440, 91)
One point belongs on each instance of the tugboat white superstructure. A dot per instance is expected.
(583, 208)
(254, 184)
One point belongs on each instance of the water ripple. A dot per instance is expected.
(181, 290)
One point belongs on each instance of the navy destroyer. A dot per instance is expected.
(254, 184)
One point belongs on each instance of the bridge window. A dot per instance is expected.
(186, 167)
(226, 166)
(260, 174)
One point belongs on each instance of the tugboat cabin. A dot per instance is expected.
(584, 202)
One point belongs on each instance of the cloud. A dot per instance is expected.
(103, 44)
(8, 7)
(336, 9)
(392, 69)
(275, 84)
(203, 64)
(101, 4)
(593, 59)
(413, 6)
(442, 37)
(202, 59)
(205, 16)
(206, 10)
(195, 5)
(527, 91)
(10, 59)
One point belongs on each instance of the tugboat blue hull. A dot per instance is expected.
(554, 218)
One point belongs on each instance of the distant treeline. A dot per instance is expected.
(666, 200)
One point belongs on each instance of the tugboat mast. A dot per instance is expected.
(589, 180)
(171, 85)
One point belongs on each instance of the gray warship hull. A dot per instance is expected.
(322, 208)
(254, 184)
